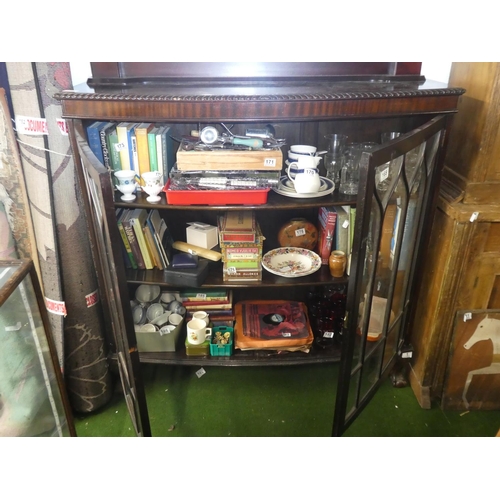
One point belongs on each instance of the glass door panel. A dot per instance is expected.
(98, 190)
(392, 207)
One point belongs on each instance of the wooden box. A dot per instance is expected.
(262, 159)
(461, 274)
(472, 161)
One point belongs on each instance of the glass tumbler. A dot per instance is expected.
(334, 156)
(349, 174)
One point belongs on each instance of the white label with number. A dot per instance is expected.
(200, 372)
(328, 335)
(269, 162)
(300, 232)
(384, 174)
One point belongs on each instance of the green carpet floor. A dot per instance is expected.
(273, 401)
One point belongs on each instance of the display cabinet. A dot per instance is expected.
(304, 103)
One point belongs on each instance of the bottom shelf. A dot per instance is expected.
(246, 358)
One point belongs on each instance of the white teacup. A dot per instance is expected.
(175, 319)
(202, 315)
(303, 149)
(197, 331)
(153, 184)
(126, 184)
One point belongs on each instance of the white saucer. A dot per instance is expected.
(283, 189)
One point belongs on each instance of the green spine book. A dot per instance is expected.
(114, 155)
(153, 158)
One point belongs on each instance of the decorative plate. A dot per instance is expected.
(291, 262)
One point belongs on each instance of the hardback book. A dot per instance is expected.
(135, 156)
(159, 149)
(120, 214)
(153, 159)
(155, 243)
(162, 236)
(104, 144)
(387, 229)
(134, 244)
(124, 131)
(150, 243)
(94, 139)
(141, 134)
(327, 217)
(342, 230)
(203, 294)
(114, 154)
(352, 224)
(168, 153)
(138, 219)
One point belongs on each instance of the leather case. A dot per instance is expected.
(193, 277)
(184, 261)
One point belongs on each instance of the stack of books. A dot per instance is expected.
(218, 303)
(147, 243)
(143, 147)
(241, 241)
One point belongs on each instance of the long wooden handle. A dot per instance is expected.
(195, 250)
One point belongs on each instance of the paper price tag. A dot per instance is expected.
(286, 334)
(328, 335)
(201, 296)
(345, 224)
(200, 372)
(300, 232)
(384, 174)
(119, 146)
(269, 162)
(467, 316)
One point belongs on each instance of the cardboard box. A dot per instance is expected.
(260, 159)
(202, 235)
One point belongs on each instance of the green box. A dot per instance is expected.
(219, 349)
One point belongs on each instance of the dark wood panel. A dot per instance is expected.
(256, 69)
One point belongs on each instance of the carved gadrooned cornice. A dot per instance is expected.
(333, 96)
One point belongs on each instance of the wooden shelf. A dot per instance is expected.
(245, 358)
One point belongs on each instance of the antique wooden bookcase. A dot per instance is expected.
(304, 102)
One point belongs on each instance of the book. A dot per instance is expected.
(137, 220)
(124, 131)
(135, 157)
(342, 230)
(153, 160)
(150, 243)
(120, 214)
(141, 134)
(94, 139)
(114, 154)
(159, 150)
(204, 294)
(168, 151)
(158, 250)
(134, 244)
(162, 236)
(352, 225)
(104, 143)
(327, 217)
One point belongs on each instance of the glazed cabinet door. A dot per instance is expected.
(396, 195)
(97, 189)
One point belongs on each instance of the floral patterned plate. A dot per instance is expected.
(291, 262)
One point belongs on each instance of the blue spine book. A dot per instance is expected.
(94, 139)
